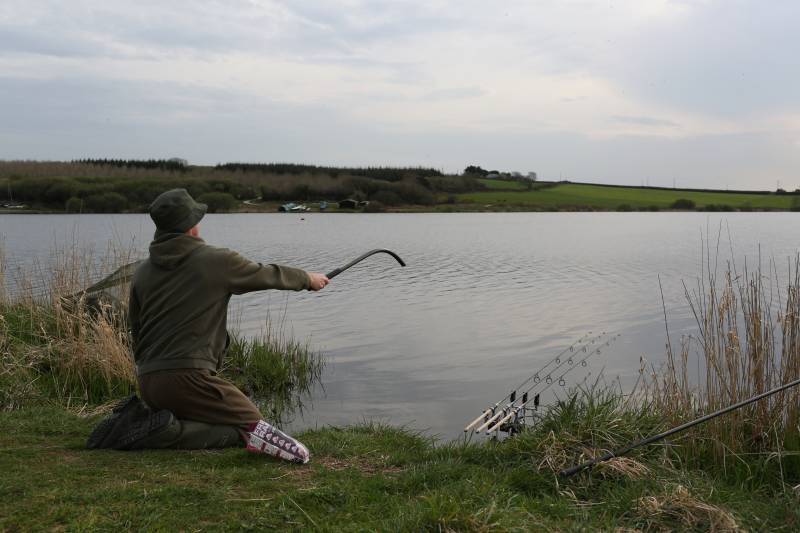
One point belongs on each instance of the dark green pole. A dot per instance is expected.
(567, 472)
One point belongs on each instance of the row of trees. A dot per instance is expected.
(387, 193)
(526, 181)
(113, 202)
(380, 173)
(133, 191)
(110, 195)
(172, 165)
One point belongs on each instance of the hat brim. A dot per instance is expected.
(197, 214)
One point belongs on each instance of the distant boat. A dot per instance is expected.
(292, 207)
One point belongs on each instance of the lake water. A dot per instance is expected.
(486, 299)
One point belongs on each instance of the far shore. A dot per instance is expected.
(116, 186)
(446, 208)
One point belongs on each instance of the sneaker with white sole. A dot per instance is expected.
(266, 438)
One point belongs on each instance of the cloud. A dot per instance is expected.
(646, 121)
(455, 93)
(408, 82)
(731, 59)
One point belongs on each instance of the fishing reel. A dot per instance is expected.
(523, 417)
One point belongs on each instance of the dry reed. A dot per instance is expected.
(62, 341)
(678, 510)
(58, 342)
(748, 342)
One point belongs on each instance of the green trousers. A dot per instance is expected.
(191, 435)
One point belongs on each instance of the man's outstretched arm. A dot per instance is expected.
(246, 276)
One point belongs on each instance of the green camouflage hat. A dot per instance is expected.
(175, 211)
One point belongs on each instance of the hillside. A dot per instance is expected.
(512, 195)
(119, 186)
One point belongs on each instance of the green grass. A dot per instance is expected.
(275, 371)
(503, 184)
(374, 478)
(577, 196)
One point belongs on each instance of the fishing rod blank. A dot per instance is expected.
(567, 472)
(516, 409)
(337, 271)
(536, 379)
(548, 380)
(536, 382)
(535, 376)
(549, 383)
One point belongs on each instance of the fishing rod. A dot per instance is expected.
(567, 472)
(536, 382)
(335, 272)
(534, 376)
(125, 273)
(549, 383)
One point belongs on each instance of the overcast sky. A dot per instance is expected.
(693, 92)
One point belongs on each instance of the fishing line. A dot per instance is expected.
(535, 377)
(515, 409)
(548, 380)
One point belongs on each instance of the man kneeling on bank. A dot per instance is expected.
(177, 314)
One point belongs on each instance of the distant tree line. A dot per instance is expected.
(113, 195)
(172, 165)
(417, 191)
(107, 186)
(379, 173)
(475, 170)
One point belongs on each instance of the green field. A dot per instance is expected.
(503, 184)
(578, 196)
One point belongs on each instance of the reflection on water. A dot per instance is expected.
(485, 300)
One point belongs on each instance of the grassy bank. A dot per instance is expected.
(376, 478)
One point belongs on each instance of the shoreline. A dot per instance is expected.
(443, 208)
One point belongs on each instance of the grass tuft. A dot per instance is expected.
(676, 509)
(275, 371)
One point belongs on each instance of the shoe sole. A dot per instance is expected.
(97, 439)
(270, 440)
(144, 428)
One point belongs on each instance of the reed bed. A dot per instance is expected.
(747, 342)
(274, 370)
(61, 342)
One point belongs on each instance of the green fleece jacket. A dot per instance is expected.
(179, 301)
